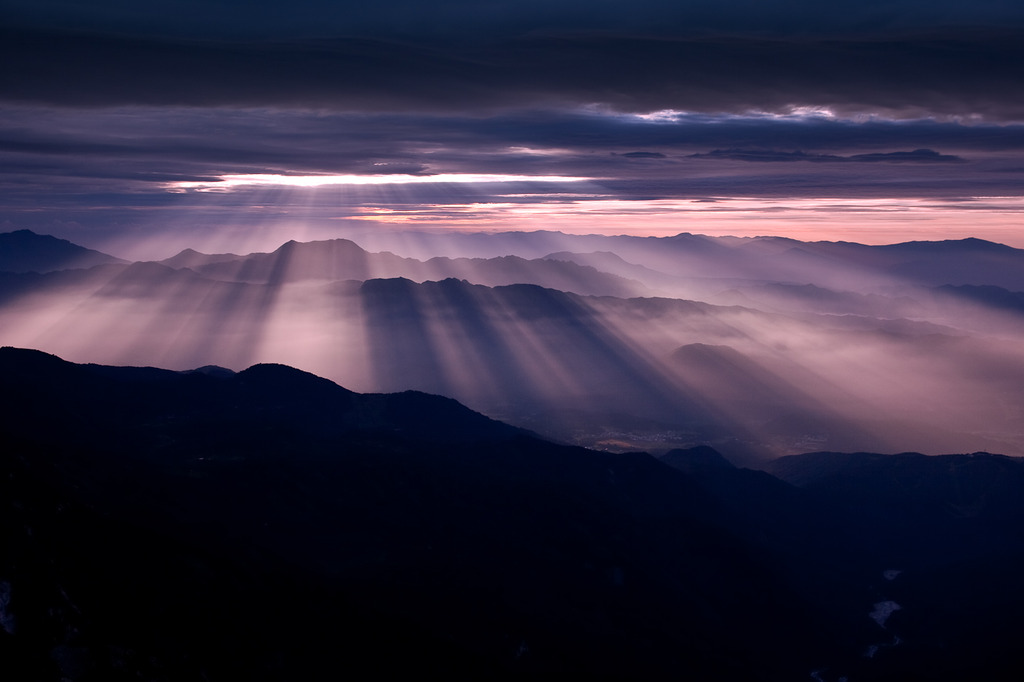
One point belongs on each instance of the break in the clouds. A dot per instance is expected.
(117, 116)
(91, 173)
(150, 143)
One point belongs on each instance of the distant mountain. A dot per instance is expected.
(341, 259)
(686, 284)
(875, 362)
(698, 459)
(754, 384)
(949, 528)
(946, 487)
(968, 261)
(26, 251)
(706, 367)
(538, 243)
(835, 265)
(190, 258)
(683, 265)
(606, 261)
(991, 297)
(811, 298)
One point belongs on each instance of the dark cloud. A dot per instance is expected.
(104, 104)
(470, 18)
(959, 74)
(127, 154)
(224, 140)
(644, 155)
(764, 155)
(916, 156)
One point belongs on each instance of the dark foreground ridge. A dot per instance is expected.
(271, 525)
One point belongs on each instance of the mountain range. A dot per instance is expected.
(758, 368)
(25, 251)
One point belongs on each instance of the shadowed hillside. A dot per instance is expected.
(163, 525)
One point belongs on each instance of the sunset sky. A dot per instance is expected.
(143, 128)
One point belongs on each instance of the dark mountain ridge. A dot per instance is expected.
(26, 251)
(953, 526)
(167, 522)
(90, 393)
(162, 525)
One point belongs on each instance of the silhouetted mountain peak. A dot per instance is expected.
(262, 395)
(391, 285)
(693, 242)
(28, 360)
(971, 244)
(213, 371)
(144, 269)
(284, 379)
(26, 251)
(707, 355)
(595, 256)
(919, 472)
(698, 459)
(147, 278)
(190, 258)
(338, 244)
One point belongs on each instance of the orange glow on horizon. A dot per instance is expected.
(871, 221)
(256, 227)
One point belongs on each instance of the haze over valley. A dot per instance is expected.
(761, 347)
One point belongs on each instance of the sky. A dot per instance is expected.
(144, 128)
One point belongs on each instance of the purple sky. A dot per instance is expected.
(878, 122)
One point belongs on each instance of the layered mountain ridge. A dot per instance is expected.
(162, 525)
(881, 363)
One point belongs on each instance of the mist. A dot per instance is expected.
(758, 347)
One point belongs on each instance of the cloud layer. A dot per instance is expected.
(107, 109)
(974, 74)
